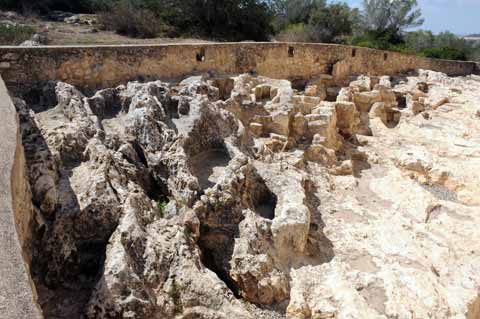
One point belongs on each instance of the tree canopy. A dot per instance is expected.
(396, 15)
(290, 12)
(330, 22)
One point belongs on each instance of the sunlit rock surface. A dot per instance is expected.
(247, 197)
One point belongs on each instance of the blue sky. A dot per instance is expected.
(459, 16)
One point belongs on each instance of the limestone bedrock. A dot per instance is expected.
(249, 197)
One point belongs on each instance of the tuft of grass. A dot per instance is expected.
(176, 296)
(14, 34)
(161, 205)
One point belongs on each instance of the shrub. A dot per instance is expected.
(294, 33)
(365, 44)
(382, 40)
(419, 40)
(319, 22)
(234, 20)
(125, 18)
(293, 12)
(446, 52)
(11, 34)
(404, 49)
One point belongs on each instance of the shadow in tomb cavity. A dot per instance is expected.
(209, 166)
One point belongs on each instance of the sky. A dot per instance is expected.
(458, 16)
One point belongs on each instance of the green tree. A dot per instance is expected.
(293, 12)
(419, 40)
(234, 19)
(394, 15)
(379, 39)
(447, 45)
(330, 23)
(384, 23)
(447, 38)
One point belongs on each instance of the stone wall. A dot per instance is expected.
(17, 296)
(101, 66)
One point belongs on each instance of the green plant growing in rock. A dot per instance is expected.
(161, 206)
(175, 294)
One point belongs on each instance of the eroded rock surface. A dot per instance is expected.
(242, 197)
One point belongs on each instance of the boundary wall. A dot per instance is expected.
(105, 66)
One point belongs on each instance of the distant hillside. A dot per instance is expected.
(475, 35)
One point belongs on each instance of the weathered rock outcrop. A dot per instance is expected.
(221, 197)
